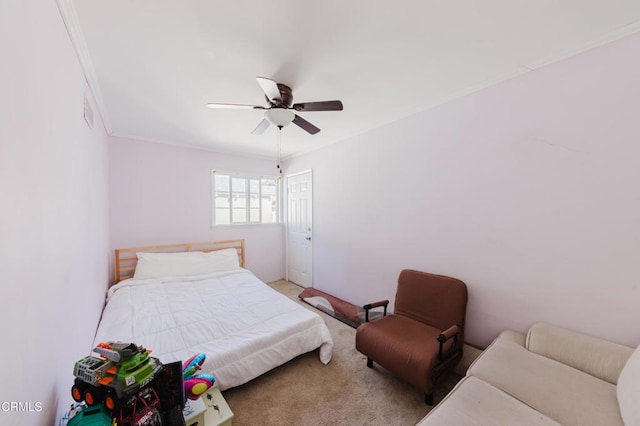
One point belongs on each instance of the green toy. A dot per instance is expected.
(97, 415)
(121, 373)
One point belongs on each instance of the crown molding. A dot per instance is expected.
(74, 29)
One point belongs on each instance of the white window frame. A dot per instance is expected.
(249, 177)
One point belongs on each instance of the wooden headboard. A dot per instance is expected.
(126, 259)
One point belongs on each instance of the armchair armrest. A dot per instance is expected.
(451, 332)
(369, 306)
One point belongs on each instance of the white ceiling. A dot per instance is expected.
(154, 64)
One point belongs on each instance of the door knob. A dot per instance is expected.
(308, 238)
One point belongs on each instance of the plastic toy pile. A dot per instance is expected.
(125, 386)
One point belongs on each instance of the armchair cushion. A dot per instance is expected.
(445, 297)
(404, 354)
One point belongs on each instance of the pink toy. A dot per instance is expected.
(196, 384)
(195, 361)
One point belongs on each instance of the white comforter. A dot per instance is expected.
(244, 327)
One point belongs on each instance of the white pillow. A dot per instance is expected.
(156, 265)
(629, 390)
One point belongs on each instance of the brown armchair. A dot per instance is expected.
(422, 340)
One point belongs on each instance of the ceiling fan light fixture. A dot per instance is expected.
(280, 117)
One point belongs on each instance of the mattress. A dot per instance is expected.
(243, 326)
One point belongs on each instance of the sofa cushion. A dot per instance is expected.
(594, 356)
(474, 402)
(563, 393)
(629, 390)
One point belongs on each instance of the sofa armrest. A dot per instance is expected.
(505, 335)
(369, 306)
(597, 357)
(513, 336)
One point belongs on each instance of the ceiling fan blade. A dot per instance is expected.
(260, 128)
(270, 89)
(234, 106)
(318, 106)
(305, 125)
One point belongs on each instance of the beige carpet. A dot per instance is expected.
(345, 392)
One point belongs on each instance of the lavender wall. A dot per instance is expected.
(527, 191)
(53, 220)
(161, 194)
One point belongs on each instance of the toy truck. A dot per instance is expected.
(123, 370)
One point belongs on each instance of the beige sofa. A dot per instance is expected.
(549, 376)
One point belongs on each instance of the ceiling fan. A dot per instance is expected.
(279, 111)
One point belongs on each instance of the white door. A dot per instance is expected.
(299, 215)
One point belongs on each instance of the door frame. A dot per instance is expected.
(286, 222)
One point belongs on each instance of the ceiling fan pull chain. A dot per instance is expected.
(279, 148)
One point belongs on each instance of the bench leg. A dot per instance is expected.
(369, 362)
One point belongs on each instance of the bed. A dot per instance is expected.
(182, 299)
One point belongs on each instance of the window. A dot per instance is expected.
(244, 199)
